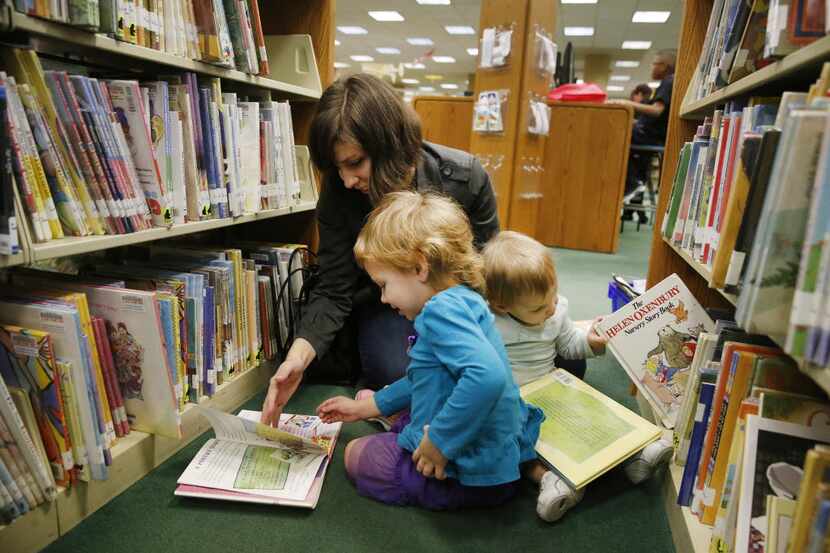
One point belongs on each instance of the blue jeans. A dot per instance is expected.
(382, 343)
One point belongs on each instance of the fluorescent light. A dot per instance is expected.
(636, 44)
(443, 59)
(472, 51)
(433, 77)
(416, 41)
(627, 63)
(386, 15)
(654, 84)
(460, 29)
(614, 88)
(579, 31)
(620, 77)
(579, 1)
(336, 42)
(341, 65)
(426, 88)
(416, 65)
(449, 86)
(650, 17)
(434, 2)
(352, 30)
(410, 81)
(385, 50)
(580, 81)
(362, 58)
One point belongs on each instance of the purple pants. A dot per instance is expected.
(384, 471)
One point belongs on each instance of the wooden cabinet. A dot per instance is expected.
(585, 162)
(446, 120)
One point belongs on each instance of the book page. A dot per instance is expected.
(251, 468)
(245, 430)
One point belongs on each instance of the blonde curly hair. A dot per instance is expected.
(407, 227)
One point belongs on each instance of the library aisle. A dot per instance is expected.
(633, 517)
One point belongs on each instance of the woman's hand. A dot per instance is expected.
(428, 459)
(280, 389)
(344, 409)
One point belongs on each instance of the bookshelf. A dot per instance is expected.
(138, 453)
(793, 72)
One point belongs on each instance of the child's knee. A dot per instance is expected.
(351, 457)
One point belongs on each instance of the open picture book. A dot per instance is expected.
(585, 433)
(255, 463)
(654, 338)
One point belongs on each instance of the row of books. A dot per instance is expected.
(222, 32)
(745, 35)
(749, 435)
(750, 202)
(125, 346)
(96, 156)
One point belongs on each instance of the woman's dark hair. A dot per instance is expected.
(643, 89)
(364, 110)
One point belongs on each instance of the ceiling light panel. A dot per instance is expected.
(433, 2)
(460, 30)
(419, 41)
(650, 17)
(443, 59)
(579, 31)
(636, 44)
(352, 30)
(387, 50)
(614, 88)
(620, 77)
(627, 63)
(362, 58)
(386, 15)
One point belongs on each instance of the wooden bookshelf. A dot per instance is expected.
(84, 42)
(133, 457)
(84, 244)
(807, 59)
(702, 270)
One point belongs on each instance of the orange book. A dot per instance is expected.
(711, 441)
(737, 389)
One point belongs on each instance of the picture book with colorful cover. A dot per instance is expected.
(585, 433)
(251, 462)
(773, 464)
(654, 338)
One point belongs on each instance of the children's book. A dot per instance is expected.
(701, 419)
(816, 475)
(774, 455)
(585, 433)
(654, 338)
(780, 511)
(251, 462)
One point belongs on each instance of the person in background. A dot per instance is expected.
(366, 142)
(533, 320)
(467, 430)
(641, 93)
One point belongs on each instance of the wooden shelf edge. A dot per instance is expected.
(53, 30)
(84, 244)
(134, 456)
(700, 269)
(821, 376)
(809, 55)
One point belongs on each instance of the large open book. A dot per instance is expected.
(585, 433)
(654, 338)
(255, 463)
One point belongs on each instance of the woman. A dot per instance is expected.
(367, 143)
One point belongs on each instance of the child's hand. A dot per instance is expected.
(596, 340)
(429, 460)
(344, 409)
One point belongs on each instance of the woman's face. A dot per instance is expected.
(354, 166)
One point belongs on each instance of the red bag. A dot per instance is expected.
(573, 92)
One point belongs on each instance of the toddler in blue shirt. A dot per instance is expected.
(467, 431)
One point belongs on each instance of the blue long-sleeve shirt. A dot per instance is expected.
(459, 382)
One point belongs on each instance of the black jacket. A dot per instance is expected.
(341, 214)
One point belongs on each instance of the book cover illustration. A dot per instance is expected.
(654, 338)
(128, 354)
(773, 465)
(585, 433)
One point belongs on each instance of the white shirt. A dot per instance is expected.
(532, 349)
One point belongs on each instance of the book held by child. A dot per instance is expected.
(654, 338)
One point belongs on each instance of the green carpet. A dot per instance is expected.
(614, 516)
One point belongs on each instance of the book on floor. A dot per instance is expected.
(654, 338)
(254, 463)
(585, 433)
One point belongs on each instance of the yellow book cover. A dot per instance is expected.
(251, 298)
(585, 433)
(737, 388)
(816, 466)
(723, 532)
(73, 424)
(780, 511)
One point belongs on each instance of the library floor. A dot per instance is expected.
(614, 516)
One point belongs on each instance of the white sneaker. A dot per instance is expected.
(555, 497)
(644, 464)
